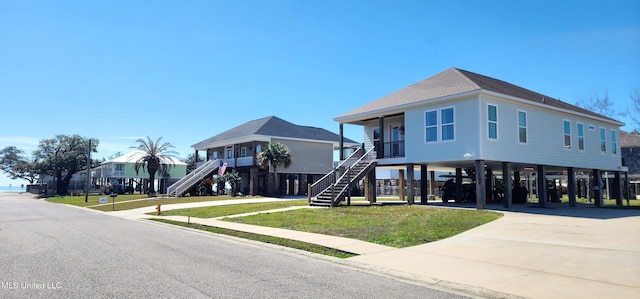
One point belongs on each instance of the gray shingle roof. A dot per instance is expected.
(629, 139)
(275, 127)
(456, 81)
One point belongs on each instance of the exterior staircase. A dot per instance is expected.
(335, 186)
(184, 184)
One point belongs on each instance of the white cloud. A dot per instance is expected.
(27, 144)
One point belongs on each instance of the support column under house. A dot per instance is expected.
(481, 193)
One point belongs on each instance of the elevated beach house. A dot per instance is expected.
(482, 128)
(311, 149)
(120, 172)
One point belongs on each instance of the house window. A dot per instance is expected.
(120, 167)
(614, 142)
(580, 137)
(567, 134)
(229, 153)
(215, 155)
(376, 136)
(431, 123)
(522, 126)
(603, 141)
(258, 149)
(447, 124)
(492, 119)
(243, 152)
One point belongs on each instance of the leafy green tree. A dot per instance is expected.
(154, 157)
(17, 166)
(63, 156)
(274, 155)
(191, 162)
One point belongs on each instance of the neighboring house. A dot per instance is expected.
(47, 183)
(461, 121)
(311, 150)
(630, 143)
(121, 171)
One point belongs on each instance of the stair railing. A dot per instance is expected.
(192, 178)
(330, 178)
(337, 198)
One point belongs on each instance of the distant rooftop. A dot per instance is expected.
(629, 139)
(274, 127)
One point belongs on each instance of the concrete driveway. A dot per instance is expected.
(556, 252)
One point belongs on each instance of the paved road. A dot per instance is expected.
(56, 251)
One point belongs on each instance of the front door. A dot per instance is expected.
(395, 141)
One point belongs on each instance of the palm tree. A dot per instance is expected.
(154, 157)
(275, 154)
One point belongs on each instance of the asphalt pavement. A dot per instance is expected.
(51, 250)
(531, 252)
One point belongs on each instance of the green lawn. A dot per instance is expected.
(396, 226)
(92, 199)
(218, 211)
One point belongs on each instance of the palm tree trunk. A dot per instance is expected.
(276, 182)
(152, 179)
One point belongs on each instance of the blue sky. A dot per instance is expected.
(188, 70)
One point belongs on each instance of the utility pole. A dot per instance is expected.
(86, 185)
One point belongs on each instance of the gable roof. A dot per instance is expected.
(455, 82)
(274, 127)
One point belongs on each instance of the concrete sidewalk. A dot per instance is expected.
(556, 252)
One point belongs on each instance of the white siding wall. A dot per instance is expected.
(308, 157)
(545, 144)
(465, 130)
(368, 134)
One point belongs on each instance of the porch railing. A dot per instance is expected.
(394, 149)
(245, 161)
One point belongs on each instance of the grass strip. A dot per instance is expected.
(226, 210)
(133, 201)
(263, 238)
(93, 199)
